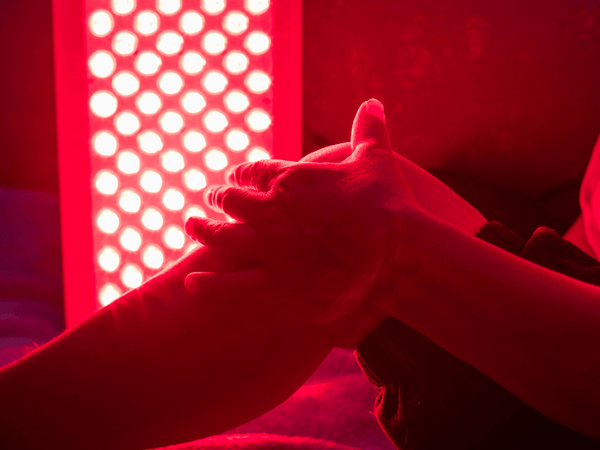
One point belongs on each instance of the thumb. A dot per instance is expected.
(369, 131)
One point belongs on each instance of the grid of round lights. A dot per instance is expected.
(177, 94)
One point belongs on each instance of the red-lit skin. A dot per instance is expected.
(535, 332)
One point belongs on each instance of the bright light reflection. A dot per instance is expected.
(151, 181)
(123, 7)
(256, 6)
(106, 182)
(168, 7)
(103, 103)
(236, 101)
(193, 211)
(215, 121)
(127, 123)
(124, 43)
(171, 122)
(214, 82)
(256, 154)
(214, 42)
(104, 143)
(152, 219)
(130, 201)
(193, 141)
(132, 276)
(257, 43)
(153, 257)
(192, 63)
(191, 23)
(146, 23)
(172, 161)
(237, 140)
(215, 160)
(173, 199)
(108, 294)
(149, 142)
(102, 64)
(258, 82)
(235, 23)
(128, 162)
(125, 83)
(194, 179)
(258, 120)
(169, 43)
(193, 102)
(235, 62)
(130, 239)
(101, 23)
(148, 63)
(191, 246)
(107, 221)
(174, 237)
(148, 102)
(109, 258)
(170, 83)
(212, 6)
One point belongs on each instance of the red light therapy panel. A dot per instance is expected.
(176, 92)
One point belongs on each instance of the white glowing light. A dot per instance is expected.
(214, 82)
(194, 180)
(127, 123)
(148, 102)
(173, 199)
(152, 219)
(107, 221)
(106, 182)
(130, 201)
(149, 142)
(108, 294)
(193, 211)
(125, 83)
(237, 140)
(236, 101)
(128, 162)
(168, 7)
(191, 246)
(235, 23)
(148, 63)
(124, 43)
(104, 143)
(193, 141)
(132, 276)
(258, 120)
(193, 102)
(212, 6)
(214, 42)
(191, 23)
(235, 62)
(153, 257)
(215, 121)
(257, 43)
(169, 43)
(101, 23)
(258, 82)
(192, 63)
(256, 6)
(130, 239)
(102, 64)
(256, 154)
(109, 258)
(146, 23)
(123, 7)
(174, 237)
(151, 181)
(215, 160)
(172, 161)
(171, 122)
(170, 83)
(103, 103)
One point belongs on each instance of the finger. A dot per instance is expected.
(248, 284)
(243, 204)
(334, 153)
(231, 238)
(257, 175)
(369, 131)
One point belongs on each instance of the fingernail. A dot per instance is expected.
(191, 285)
(190, 227)
(375, 108)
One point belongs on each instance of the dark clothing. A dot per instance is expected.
(430, 400)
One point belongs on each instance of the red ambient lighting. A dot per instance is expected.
(156, 99)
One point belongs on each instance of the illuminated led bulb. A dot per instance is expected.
(171, 122)
(192, 63)
(192, 246)
(130, 239)
(236, 62)
(148, 102)
(174, 237)
(256, 6)
(214, 82)
(103, 104)
(131, 276)
(101, 23)
(235, 23)
(146, 23)
(106, 182)
(258, 82)
(170, 83)
(102, 64)
(191, 23)
(123, 7)
(107, 221)
(151, 181)
(127, 123)
(193, 211)
(173, 199)
(258, 120)
(169, 43)
(152, 219)
(172, 161)
(149, 142)
(256, 154)
(212, 6)
(215, 160)
(125, 83)
(257, 43)
(124, 43)
(194, 141)
(128, 162)
(194, 180)
(215, 121)
(109, 258)
(236, 101)
(153, 257)
(193, 102)
(130, 201)
(104, 143)
(214, 42)
(237, 140)
(108, 294)
(168, 7)
(148, 63)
